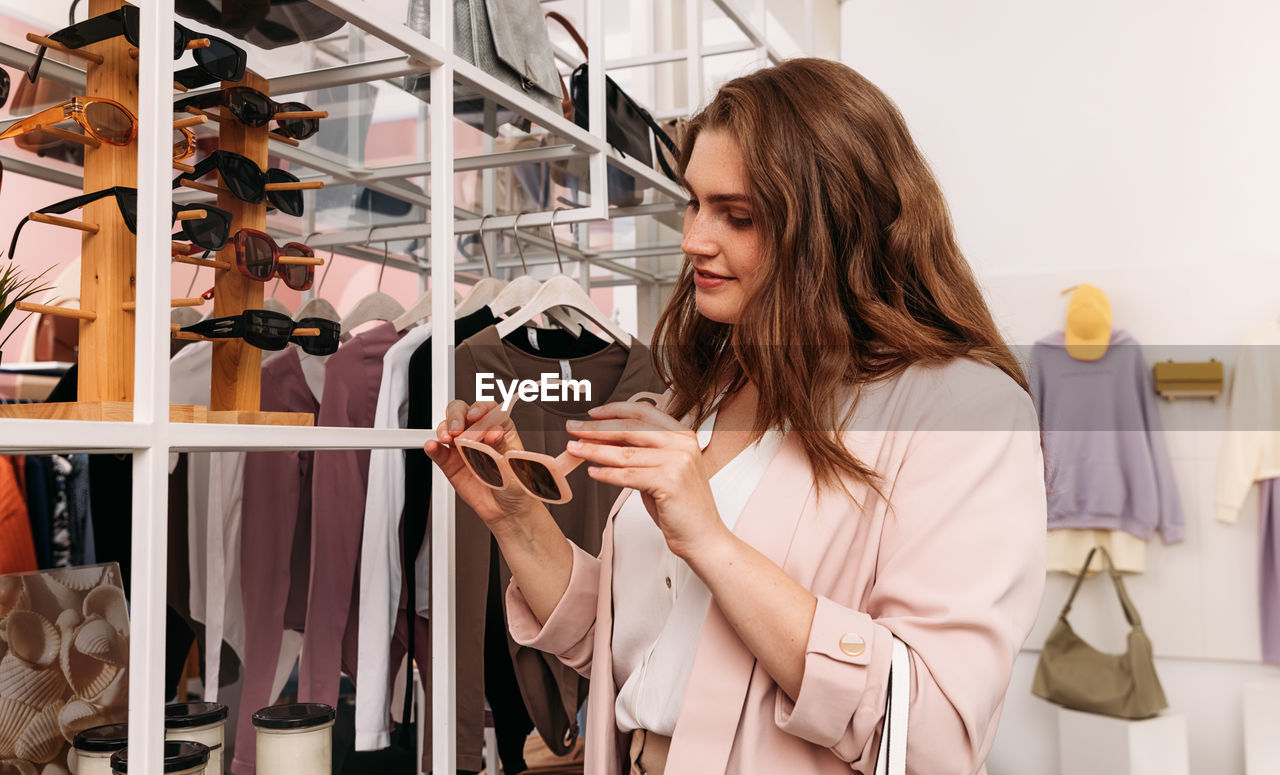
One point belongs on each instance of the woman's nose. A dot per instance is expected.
(697, 237)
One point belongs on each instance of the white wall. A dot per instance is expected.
(1131, 145)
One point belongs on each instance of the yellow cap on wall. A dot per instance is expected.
(1088, 329)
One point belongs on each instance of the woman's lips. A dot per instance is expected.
(707, 281)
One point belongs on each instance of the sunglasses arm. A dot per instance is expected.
(24, 125)
(566, 463)
(44, 42)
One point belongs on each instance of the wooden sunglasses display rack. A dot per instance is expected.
(107, 304)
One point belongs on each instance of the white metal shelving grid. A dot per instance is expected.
(150, 437)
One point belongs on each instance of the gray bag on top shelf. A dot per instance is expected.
(507, 39)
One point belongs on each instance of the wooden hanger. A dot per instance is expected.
(375, 306)
(565, 292)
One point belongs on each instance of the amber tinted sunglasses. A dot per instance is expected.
(542, 476)
(104, 120)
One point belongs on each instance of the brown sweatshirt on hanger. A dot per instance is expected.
(552, 692)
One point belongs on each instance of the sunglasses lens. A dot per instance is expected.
(220, 59)
(536, 478)
(4, 87)
(209, 232)
(483, 466)
(251, 107)
(287, 202)
(326, 343)
(297, 276)
(242, 177)
(109, 122)
(298, 128)
(259, 262)
(268, 330)
(131, 24)
(127, 201)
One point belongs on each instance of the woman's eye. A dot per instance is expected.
(692, 204)
(738, 223)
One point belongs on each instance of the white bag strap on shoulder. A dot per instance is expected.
(892, 757)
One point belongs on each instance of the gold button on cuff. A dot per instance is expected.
(852, 644)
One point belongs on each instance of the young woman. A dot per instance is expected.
(866, 464)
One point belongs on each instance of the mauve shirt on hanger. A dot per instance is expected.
(277, 501)
(352, 378)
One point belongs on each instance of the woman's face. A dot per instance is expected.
(720, 236)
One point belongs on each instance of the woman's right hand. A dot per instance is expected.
(486, 423)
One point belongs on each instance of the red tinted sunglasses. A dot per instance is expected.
(258, 257)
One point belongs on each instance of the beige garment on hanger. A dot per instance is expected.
(1067, 548)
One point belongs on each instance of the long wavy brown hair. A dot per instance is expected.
(865, 276)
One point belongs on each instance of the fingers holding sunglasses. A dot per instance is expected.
(633, 432)
(490, 424)
(482, 422)
(636, 410)
(617, 457)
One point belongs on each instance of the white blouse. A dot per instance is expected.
(659, 604)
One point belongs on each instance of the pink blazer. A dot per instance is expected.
(955, 570)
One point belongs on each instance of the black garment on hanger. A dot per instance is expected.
(498, 684)
(38, 509)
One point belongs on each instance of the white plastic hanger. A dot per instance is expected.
(487, 289)
(520, 291)
(316, 306)
(375, 306)
(187, 316)
(273, 304)
(562, 291)
(577, 321)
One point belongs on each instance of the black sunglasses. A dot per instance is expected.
(209, 232)
(246, 181)
(219, 61)
(269, 330)
(253, 108)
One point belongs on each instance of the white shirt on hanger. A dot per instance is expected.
(214, 496)
(380, 574)
(659, 604)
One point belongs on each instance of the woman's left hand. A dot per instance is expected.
(632, 444)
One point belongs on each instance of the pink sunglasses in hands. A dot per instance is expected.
(541, 475)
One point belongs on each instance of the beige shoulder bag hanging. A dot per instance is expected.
(1075, 675)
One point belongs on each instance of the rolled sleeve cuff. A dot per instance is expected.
(372, 741)
(846, 659)
(1174, 533)
(572, 617)
(1227, 513)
